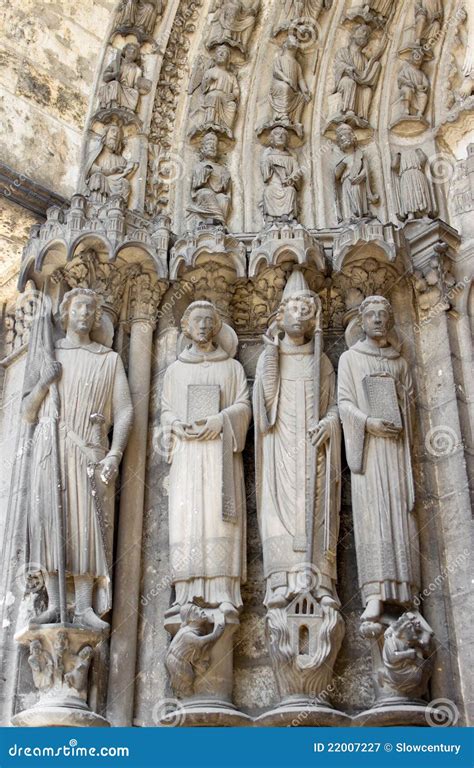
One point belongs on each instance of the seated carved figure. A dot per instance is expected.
(221, 93)
(107, 169)
(233, 23)
(282, 178)
(210, 185)
(124, 81)
(289, 91)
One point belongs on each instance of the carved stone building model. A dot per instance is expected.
(236, 352)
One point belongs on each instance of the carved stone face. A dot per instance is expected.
(376, 321)
(221, 55)
(291, 43)
(279, 138)
(35, 648)
(346, 139)
(361, 36)
(81, 315)
(298, 317)
(202, 325)
(113, 139)
(130, 52)
(197, 615)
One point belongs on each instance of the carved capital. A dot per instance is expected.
(146, 293)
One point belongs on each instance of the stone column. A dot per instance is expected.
(446, 506)
(144, 298)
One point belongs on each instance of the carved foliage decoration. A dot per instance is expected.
(173, 71)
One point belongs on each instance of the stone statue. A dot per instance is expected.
(124, 81)
(374, 13)
(210, 185)
(407, 655)
(282, 178)
(107, 169)
(138, 15)
(352, 174)
(289, 91)
(77, 676)
(87, 383)
(188, 654)
(375, 402)
(207, 411)
(233, 23)
(298, 505)
(220, 94)
(42, 666)
(356, 76)
(415, 198)
(300, 11)
(413, 86)
(429, 16)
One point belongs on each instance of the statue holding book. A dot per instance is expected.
(375, 403)
(206, 412)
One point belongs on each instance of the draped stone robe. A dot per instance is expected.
(352, 198)
(279, 197)
(207, 551)
(232, 24)
(92, 378)
(355, 89)
(286, 96)
(221, 93)
(124, 90)
(414, 192)
(286, 459)
(209, 191)
(385, 529)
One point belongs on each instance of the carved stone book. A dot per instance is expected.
(203, 401)
(381, 393)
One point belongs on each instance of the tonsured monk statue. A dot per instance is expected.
(207, 411)
(375, 403)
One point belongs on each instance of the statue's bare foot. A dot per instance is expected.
(373, 610)
(51, 616)
(89, 619)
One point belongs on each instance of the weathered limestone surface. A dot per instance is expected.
(49, 59)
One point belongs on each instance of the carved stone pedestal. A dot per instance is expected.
(60, 657)
(201, 673)
(298, 711)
